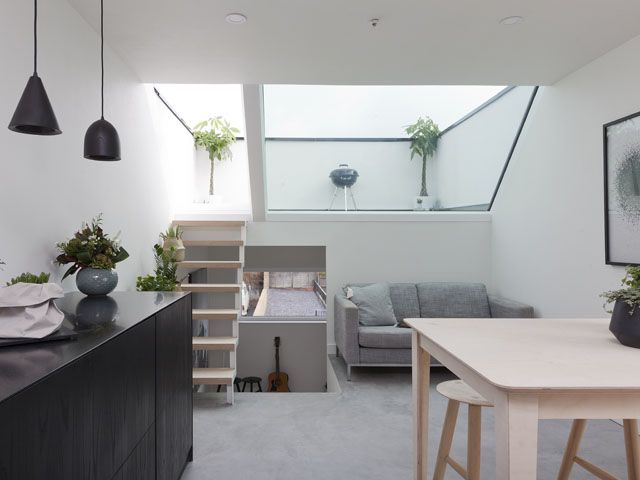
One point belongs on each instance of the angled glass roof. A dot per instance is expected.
(365, 111)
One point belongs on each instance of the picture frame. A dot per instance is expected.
(621, 168)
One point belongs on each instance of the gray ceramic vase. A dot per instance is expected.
(96, 281)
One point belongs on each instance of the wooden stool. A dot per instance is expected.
(573, 444)
(459, 392)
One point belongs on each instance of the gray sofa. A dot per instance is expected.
(361, 345)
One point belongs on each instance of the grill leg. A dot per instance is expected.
(355, 206)
(333, 199)
(345, 199)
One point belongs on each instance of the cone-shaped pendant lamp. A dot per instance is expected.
(101, 142)
(34, 114)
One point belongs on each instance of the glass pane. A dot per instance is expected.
(313, 130)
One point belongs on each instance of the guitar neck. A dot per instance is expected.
(277, 360)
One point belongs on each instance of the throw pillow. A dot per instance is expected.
(374, 304)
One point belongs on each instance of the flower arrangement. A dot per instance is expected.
(90, 247)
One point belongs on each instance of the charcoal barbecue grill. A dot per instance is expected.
(344, 177)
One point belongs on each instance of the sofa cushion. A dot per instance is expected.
(451, 300)
(404, 298)
(384, 337)
(374, 304)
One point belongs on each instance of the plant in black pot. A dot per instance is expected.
(625, 318)
(94, 255)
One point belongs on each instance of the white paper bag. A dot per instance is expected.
(27, 310)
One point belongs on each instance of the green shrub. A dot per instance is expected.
(29, 277)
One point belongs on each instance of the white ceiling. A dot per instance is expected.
(331, 41)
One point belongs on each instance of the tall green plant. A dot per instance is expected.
(215, 135)
(165, 279)
(424, 136)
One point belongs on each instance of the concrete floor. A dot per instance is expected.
(284, 302)
(364, 432)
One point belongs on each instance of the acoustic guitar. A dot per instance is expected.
(278, 381)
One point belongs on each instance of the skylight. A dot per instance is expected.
(365, 111)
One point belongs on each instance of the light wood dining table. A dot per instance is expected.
(530, 369)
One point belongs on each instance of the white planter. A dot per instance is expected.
(177, 244)
(215, 200)
(423, 202)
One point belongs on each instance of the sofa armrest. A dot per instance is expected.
(345, 314)
(504, 308)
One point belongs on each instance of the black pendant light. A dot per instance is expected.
(34, 114)
(101, 142)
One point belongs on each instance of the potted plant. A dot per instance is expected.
(216, 136)
(172, 242)
(424, 136)
(94, 256)
(29, 277)
(165, 279)
(625, 318)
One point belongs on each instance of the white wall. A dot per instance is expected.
(297, 175)
(359, 251)
(190, 167)
(471, 156)
(303, 352)
(548, 227)
(48, 188)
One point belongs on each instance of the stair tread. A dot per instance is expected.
(214, 343)
(213, 376)
(213, 243)
(203, 287)
(215, 311)
(209, 223)
(210, 264)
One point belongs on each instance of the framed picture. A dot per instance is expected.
(622, 191)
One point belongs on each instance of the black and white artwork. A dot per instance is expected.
(622, 190)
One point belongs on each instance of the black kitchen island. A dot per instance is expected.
(114, 404)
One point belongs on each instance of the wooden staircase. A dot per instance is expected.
(211, 236)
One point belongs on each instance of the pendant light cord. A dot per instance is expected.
(35, 37)
(102, 58)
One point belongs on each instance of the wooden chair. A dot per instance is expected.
(573, 444)
(459, 392)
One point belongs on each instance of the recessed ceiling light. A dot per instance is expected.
(235, 18)
(511, 20)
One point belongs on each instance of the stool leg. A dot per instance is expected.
(259, 386)
(571, 451)
(474, 441)
(631, 446)
(446, 439)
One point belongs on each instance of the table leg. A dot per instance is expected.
(516, 420)
(420, 379)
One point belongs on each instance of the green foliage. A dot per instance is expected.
(172, 232)
(631, 294)
(424, 136)
(29, 277)
(90, 247)
(164, 279)
(215, 135)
